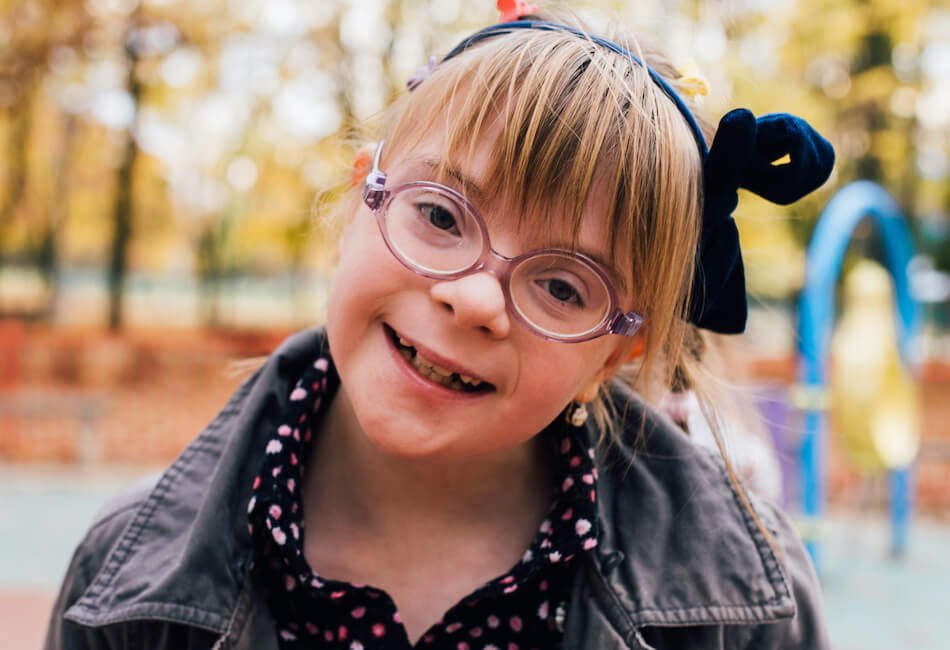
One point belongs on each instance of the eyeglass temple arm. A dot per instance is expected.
(625, 324)
(373, 193)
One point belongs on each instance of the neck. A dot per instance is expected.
(353, 485)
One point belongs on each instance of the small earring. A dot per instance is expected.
(577, 414)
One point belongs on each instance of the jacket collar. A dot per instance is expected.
(676, 545)
(682, 548)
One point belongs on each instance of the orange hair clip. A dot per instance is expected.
(361, 165)
(512, 10)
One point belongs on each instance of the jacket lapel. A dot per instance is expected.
(177, 536)
(681, 549)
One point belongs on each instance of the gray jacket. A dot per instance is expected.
(680, 564)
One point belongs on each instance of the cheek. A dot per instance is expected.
(561, 374)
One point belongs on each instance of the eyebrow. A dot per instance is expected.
(474, 192)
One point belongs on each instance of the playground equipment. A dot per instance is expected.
(853, 204)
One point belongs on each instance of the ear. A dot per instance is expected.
(629, 349)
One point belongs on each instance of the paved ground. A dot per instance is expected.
(872, 601)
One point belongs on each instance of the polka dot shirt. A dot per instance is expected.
(522, 609)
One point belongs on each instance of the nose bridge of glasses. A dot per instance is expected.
(497, 264)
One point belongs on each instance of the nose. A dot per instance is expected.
(475, 300)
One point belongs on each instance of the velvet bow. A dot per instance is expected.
(746, 153)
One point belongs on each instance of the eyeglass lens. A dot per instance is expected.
(431, 231)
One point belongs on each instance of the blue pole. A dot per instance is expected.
(851, 205)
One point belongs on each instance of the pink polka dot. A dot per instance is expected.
(575, 461)
(566, 485)
(338, 594)
(510, 589)
(311, 628)
(298, 394)
(342, 633)
(543, 586)
(493, 621)
(589, 544)
(453, 628)
(257, 482)
(379, 630)
(462, 646)
(588, 478)
(289, 583)
(543, 611)
(283, 430)
(291, 484)
(565, 445)
(593, 496)
(507, 580)
(567, 514)
(274, 511)
(359, 612)
(428, 638)
(513, 646)
(516, 623)
(397, 618)
(475, 632)
(328, 635)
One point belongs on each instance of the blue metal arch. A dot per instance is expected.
(849, 207)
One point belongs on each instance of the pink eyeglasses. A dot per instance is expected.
(436, 232)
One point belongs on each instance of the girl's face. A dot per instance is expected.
(390, 329)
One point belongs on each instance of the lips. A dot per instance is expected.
(438, 371)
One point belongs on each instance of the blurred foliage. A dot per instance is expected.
(176, 137)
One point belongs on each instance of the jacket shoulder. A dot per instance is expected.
(699, 551)
(107, 526)
(807, 629)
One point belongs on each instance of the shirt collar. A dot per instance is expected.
(275, 510)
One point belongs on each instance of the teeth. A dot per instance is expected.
(432, 371)
(427, 370)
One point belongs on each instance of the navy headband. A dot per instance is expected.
(743, 154)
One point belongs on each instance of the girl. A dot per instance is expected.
(447, 464)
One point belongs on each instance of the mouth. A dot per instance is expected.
(434, 372)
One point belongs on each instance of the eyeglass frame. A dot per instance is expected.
(377, 198)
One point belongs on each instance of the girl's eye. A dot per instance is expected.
(562, 291)
(438, 216)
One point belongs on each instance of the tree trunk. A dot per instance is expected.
(18, 141)
(122, 214)
(59, 212)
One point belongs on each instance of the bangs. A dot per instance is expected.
(568, 118)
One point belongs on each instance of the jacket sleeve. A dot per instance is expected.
(807, 630)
